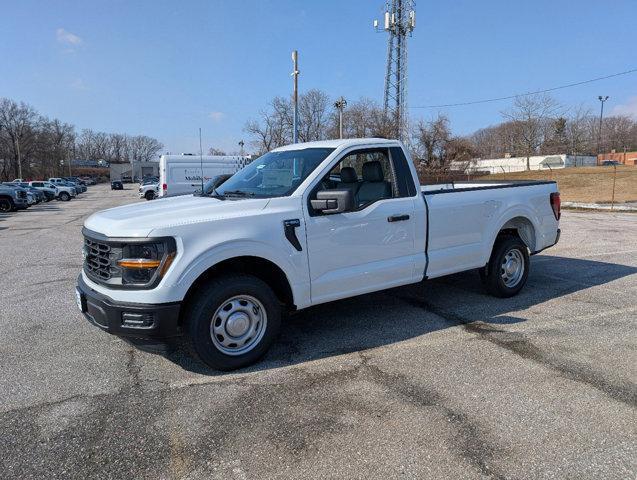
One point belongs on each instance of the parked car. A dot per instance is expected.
(89, 180)
(49, 189)
(32, 199)
(149, 191)
(610, 163)
(40, 196)
(61, 181)
(117, 185)
(77, 180)
(80, 187)
(149, 180)
(302, 225)
(66, 191)
(12, 198)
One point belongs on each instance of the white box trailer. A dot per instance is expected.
(182, 174)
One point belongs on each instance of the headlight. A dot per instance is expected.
(144, 262)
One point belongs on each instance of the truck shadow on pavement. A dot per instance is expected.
(391, 316)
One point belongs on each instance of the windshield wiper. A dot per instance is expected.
(238, 193)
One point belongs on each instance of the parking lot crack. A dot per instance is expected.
(472, 443)
(519, 344)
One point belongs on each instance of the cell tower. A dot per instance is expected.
(399, 21)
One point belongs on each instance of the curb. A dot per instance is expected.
(598, 206)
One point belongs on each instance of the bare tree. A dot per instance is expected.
(430, 140)
(617, 133)
(274, 129)
(215, 151)
(314, 108)
(144, 148)
(580, 131)
(529, 116)
(118, 147)
(17, 122)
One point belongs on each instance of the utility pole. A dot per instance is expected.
(601, 116)
(295, 97)
(399, 22)
(17, 148)
(340, 105)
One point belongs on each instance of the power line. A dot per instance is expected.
(508, 97)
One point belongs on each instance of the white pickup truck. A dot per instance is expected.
(302, 225)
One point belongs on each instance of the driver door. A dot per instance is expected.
(372, 246)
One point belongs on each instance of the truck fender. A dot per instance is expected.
(247, 248)
(515, 216)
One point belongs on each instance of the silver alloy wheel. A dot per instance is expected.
(238, 325)
(512, 267)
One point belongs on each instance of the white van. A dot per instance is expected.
(181, 174)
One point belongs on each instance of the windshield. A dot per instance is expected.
(274, 174)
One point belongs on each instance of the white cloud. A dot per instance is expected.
(68, 40)
(629, 108)
(216, 116)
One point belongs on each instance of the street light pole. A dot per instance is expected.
(601, 116)
(340, 105)
(295, 98)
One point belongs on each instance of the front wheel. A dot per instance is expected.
(6, 205)
(149, 195)
(508, 268)
(232, 321)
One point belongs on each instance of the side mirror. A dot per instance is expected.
(333, 201)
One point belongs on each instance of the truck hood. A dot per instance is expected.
(140, 219)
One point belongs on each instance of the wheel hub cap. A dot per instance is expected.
(238, 325)
(512, 268)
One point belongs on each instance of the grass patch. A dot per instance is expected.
(584, 184)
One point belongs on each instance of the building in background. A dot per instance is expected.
(134, 170)
(518, 164)
(627, 158)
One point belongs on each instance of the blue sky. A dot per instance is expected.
(166, 68)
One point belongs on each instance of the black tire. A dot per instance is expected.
(149, 195)
(210, 298)
(65, 197)
(494, 276)
(6, 205)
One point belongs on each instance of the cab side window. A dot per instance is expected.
(369, 174)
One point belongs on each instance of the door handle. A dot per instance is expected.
(398, 218)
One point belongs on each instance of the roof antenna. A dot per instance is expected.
(201, 160)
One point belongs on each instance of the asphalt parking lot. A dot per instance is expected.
(436, 380)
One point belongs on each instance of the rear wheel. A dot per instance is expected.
(508, 268)
(232, 321)
(65, 197)
(6, 205)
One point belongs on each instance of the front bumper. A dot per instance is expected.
(20, 203)
(155, 321)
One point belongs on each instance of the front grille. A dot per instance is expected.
(100, 260)
(21, 194)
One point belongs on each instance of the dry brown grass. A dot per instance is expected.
(585, 184)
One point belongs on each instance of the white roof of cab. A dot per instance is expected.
(345, 143)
